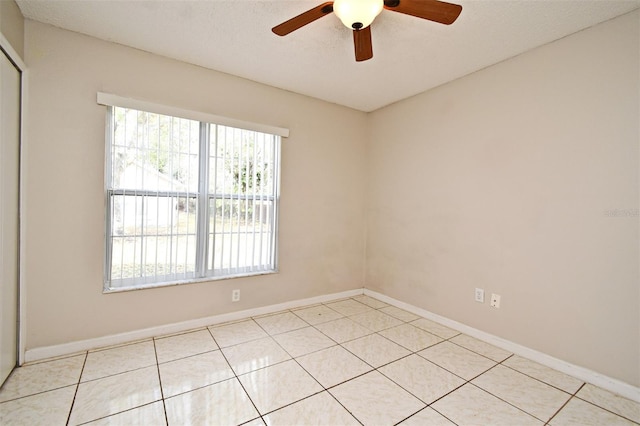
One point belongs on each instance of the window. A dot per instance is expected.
(187, 200)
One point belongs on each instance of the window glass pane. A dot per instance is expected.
(157, 231)
(153, 238)
(242, 201)
(241, 162)
(154, 152)
(153, 189)
(242, 244)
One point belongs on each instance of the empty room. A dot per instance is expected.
(359, 212)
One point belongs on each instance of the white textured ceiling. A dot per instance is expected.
(411, 55)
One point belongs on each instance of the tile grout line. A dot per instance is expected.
(121, 345)
(116, 374)
(565, 404)
(506, 402)
(419, 411)
(466, 381)
(498, 397)
(377, 369)
(75, 394)
(235, 376)
(345, 408)
(535, 378)
(324, 389)
(428, 405)
(598, 406)
(292, 358)
(77, 354)
(115, 414)
(164, 405)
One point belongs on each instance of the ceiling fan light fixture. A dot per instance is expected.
(357, 14)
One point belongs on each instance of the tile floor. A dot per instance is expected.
(348, 362)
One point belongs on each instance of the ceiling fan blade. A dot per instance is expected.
(362, 44)
(433, 10)
(303, 19)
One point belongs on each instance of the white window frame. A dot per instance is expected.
(202, 273)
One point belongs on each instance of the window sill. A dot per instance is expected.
(109, 290)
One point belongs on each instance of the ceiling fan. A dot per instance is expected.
(359, 14)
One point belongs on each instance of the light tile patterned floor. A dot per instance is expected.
(348, 362)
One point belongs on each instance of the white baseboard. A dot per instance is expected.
(616, 386)
(37, 354)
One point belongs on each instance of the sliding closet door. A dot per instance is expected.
(9, 224)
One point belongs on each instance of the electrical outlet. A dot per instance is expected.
(235, 295)
(480, 295)
(495, 300)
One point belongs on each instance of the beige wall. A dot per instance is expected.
(322, 207)
(12, 25)
(503, 180)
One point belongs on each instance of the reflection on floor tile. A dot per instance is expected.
(253, 355)
(303, 341)
(280, 323)
(113, 394)
(184, 345)
(375, 400)
(119, 359)
(536, 398)
(457, 359)
(470, 405)
(350, 361)
(48, 408)
(422, 378)
(333, 365)
(320, 409)
(35, 378)
(581, 413)
(186, 374)
(151, 414)
(279, 385)
(375, 350)
(222, 403)
(611, 402)
(236, 333)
